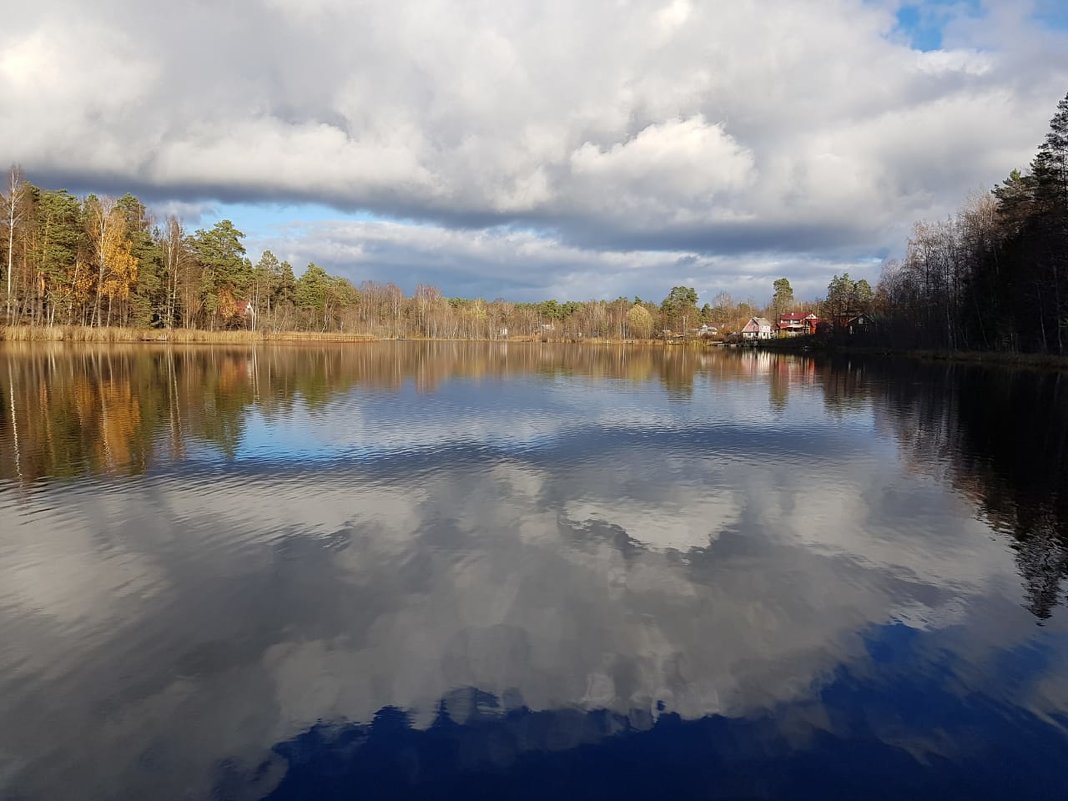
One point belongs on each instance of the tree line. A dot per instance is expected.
(98, 261)
(994, 276)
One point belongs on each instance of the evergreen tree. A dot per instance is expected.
(783, 298)
(264, 275)
(227, 274)
(840, 292)
(56, 222)
(1050, 167)
(147, 296)
(679, 308)
(311, 295)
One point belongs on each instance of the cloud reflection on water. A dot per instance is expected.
(207, 611)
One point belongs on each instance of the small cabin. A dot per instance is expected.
(757, 328)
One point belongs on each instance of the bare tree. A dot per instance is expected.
(16, 183)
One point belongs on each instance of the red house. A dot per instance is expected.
(792, 324)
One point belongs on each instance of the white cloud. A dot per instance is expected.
(728, 128)
(664, 171)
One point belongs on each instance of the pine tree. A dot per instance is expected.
(58, 236)
(783, 298)
(1050, 167)
(227, 274)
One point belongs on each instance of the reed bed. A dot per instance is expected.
(78, 333)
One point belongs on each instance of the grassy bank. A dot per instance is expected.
(77, 333)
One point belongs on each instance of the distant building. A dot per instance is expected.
(792, 324)
(245, 308)
(757, 328)
(707, 330)
(853, 323)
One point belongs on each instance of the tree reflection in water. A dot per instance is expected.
(998, 436)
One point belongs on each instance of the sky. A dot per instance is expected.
(546, 148)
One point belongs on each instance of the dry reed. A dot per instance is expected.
(77, 333)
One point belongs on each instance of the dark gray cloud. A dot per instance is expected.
(525, 265)
(724, 130)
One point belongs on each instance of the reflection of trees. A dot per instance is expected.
(844, 388)
(999, 436)
(481, 747)
(779, 386)
(676, 369)
(102, 409)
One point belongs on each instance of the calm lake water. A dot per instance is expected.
(528, 571)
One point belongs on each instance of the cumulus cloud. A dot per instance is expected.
(663, 171)
(718, 129)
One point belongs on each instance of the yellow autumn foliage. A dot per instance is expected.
(121, 267)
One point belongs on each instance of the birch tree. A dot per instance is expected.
(13, 204)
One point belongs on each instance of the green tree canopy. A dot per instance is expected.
(846, 296)
(839, 294)
(783, 298)
(1050, 166)
(312, 288)
(680, 307)
(226, 274)
(284, 286)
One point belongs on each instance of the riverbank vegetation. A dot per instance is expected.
(233, 336)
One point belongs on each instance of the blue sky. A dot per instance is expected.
(923, 23)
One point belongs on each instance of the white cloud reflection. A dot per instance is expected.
(220, 614)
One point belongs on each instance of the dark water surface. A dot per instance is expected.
(528, 571)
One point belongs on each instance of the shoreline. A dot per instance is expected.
(172, 336)
(797, 345)
(193, 336)
(1043, 361)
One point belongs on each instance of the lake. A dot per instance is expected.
(472, 570)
